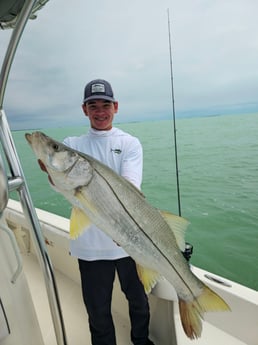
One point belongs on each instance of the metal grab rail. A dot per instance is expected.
(17, 180)
(3, 188)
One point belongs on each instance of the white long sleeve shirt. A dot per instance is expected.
(122, 153)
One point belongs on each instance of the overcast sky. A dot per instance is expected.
(214, 47)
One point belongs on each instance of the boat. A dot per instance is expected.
(40, 295)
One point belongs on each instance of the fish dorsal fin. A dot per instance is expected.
(178, 225)
(78, 222)
(148, 277)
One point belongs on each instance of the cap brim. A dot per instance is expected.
(107, 98)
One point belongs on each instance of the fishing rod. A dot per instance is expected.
(174, 116)
(188, 247)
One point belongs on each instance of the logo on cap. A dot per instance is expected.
(97, 88)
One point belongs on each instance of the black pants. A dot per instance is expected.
(97, 279)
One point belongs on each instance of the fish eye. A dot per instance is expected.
(55, 146)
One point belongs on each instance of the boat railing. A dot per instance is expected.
(11, 174)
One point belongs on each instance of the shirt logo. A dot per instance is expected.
(117, 151)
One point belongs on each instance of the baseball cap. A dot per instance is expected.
(98, 89)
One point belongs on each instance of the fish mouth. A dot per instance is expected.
(29, 137)
(37, 135)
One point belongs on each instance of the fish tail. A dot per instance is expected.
(191, 312)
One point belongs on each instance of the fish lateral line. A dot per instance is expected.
(154, 244)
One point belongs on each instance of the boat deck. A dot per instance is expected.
(75, 317)
(74, 314)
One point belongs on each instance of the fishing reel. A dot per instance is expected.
(188, 251)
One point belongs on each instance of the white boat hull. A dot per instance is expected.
(237, 327)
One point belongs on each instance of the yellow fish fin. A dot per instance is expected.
(148, 277)
(191, 312)
(78, 222)
(178, 225)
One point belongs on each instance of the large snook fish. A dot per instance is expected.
(152, 238)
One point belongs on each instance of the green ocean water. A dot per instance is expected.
(218, 175)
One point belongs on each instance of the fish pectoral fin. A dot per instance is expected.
(191, 312)
(148, 277)
(178, 225)
(85, 202)
(78, 222)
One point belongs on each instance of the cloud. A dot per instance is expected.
(214, 47)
